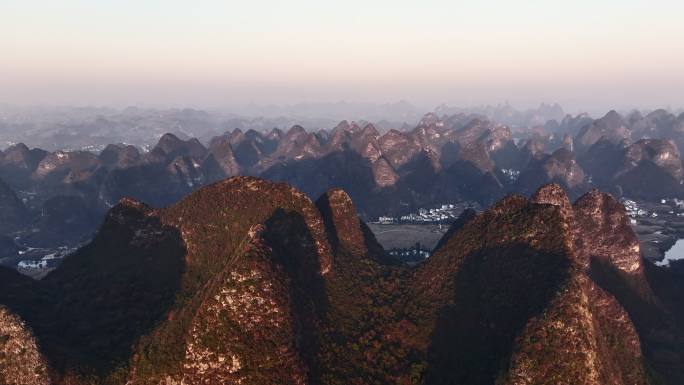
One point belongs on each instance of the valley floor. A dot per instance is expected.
(657, 233)
(658, 226)
(404, 236)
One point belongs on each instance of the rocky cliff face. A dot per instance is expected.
(18, 162)
(600, 214)
(398, 147)
(343, 225)
(248, 328)
(346, 232)
(170, 146)
(119, 155)
(600, 234)
(21, 362)
(249, 282)
(608, 341)
(565, 330)
(611, 127)
(663, 153)
(222, 151)
(248, 287)
(559, 167)
(651, 169)
(583, 337)
(443, 158)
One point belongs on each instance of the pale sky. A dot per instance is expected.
(583, 54)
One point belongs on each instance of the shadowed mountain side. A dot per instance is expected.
(13, 213)
(246, 281)
(18, 162)
(418, 183)
(110, 292)
(559, 167)
(88, 313)
(613, 240)
(170, 147)
(497, 291)
(639, 181)
(664, 329)
(465, 181)
(346, 232)
(486, 251)
(584, 337)
(466, 216)
(656, 318)
(443, 159)
(608, 250)
(602, 161)
(257, 320)
(346, 170)
(561, 335)
(64, 220)
(148, 183)
(218, 223)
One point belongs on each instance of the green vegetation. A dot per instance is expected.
(247, 280)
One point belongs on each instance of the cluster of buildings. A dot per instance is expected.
(677, 202)
(512, 174)
(29, 264)
(47, 261)
(444, 214)
(674, 203)
(412, 255)
(634, 211)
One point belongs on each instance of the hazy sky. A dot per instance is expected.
(583, 54)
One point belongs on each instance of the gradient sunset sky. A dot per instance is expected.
(582, 54)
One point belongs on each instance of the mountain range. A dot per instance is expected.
(247, 281)
(63, 195)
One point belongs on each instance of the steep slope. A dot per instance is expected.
(613, 238)
(521, 309)
(68, 166)
(137, 302)
(246, 281)
(170, 147)
(222, 151)
(13, 213)
(225, 257)
(398, 147)
(347, 233)
(18, 162)
(362, 338)
(650, 169)
(296, 144)
(120, 155)
(612, 127)
(91, 310)
(366, 143)
(559, 167)
(64, 220)
(154, 183)
(466, 216)
(345, 169)
(601, 161)
(21, 362)
(253, 324)
(611, 251)
(68, 173)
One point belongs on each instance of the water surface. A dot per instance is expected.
(675, 252)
